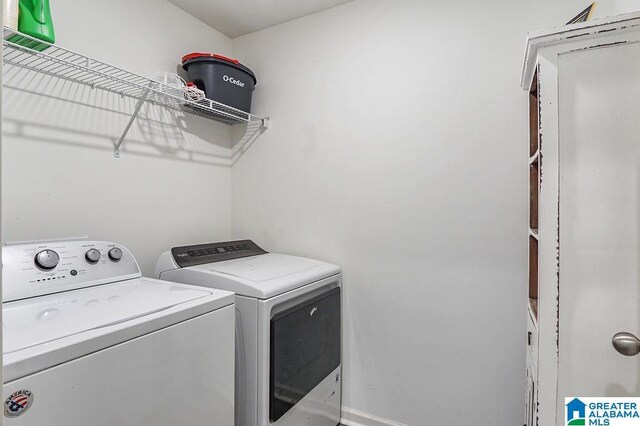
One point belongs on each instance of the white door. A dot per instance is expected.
(599, 151)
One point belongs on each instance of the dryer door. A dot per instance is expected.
(305, 349)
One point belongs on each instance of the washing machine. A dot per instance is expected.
(88, 341)
(288, 328)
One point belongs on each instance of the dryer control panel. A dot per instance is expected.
(50, 267)
(214, 252)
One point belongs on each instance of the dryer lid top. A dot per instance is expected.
(41, 320)
(263, 276)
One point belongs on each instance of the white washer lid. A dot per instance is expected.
(40, 320)
(49, 330)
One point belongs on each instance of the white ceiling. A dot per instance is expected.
(235, 18)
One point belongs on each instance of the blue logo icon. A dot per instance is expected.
(576, 412)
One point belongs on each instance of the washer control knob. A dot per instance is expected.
(92, 256)
(47, 259)
(115, 254)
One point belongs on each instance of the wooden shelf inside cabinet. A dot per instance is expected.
(533, 195)
(32, 54)
(533, 232)
(533, 117)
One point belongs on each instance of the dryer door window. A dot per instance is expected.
(305, 349)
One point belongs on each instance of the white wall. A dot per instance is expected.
(615, 7)
(398, 150)
(60, 179)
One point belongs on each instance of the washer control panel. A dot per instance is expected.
(214, 252)
(42, 268)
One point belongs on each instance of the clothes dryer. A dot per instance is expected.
(288, 328)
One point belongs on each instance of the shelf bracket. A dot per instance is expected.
(116, 151)
(266, 122)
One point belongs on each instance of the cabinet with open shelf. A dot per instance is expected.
(581, 206)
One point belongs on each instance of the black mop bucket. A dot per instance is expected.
(223, 79)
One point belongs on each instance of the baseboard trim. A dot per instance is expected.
(351, 417)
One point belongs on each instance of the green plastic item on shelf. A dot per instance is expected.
(34, 19)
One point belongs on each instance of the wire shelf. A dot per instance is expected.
(36, 55)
